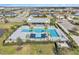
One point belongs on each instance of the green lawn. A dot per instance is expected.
(6, 49)
(27, 48)
(71, 51)
(34, 49)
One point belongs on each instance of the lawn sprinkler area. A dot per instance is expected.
(37, 34)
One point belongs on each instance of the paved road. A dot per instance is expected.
(69, 26)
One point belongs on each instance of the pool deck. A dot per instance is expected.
(26, 35)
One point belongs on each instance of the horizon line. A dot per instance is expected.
(39, 5)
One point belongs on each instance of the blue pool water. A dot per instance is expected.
(38, 30)
(52, 32)
(25, 30)
(38, 35)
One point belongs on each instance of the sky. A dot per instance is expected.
(40, 5)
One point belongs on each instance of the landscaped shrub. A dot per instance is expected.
(13, 27)
(40, 51)
(53, 21)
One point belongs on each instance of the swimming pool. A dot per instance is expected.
(38, 30)
(53, 32)
(25, 30)
(36, 33)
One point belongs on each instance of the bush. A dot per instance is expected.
(52, 21)
(19, 41)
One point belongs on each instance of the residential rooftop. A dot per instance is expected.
(32, 19)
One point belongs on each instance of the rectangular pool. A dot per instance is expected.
(52, 32)
(38, 30)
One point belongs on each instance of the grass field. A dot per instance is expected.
(27, 48)
(36, 49)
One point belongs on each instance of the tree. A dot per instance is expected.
(44, 15)
(25, 22)
(13, 27)
(72, 12)
(40, 51)
(53, 21)
(19, 41)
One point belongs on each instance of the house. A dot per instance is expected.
(8, 14)
(76, 14)
(32, 19)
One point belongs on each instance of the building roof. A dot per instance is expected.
(8, 14)
(38, 20)
(77, 14)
